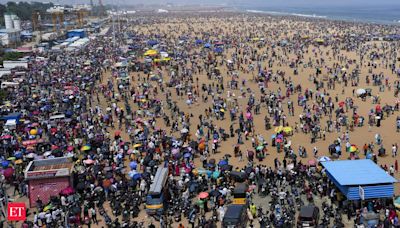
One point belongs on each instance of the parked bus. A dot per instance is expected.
(158, 194)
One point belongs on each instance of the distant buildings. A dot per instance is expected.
(11, 35)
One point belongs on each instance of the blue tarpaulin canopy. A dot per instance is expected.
(218, 50)
(351, 175)
(12, 116)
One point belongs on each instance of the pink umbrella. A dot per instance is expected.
(312, 162)
(67, 191)
(6, 137)
(70, 148)
(175, 151)
(54, 147)
(88, 161)
(248, 115)
(8, 173)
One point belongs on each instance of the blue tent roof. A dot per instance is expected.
(357, 172)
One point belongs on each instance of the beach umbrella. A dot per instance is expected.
(54, 147)
(352, 149)
(18, 162)
(175, 151)
(133, 165)
(6, 137)
(312, 162)
(88, 161)
(137, 176)
(360, 91)
(33, 132)
(30, 155)
(48, 207)
(18, 154)
(273, 136)
(203, 195)
(70, 148)
(47, 153)
(279, 140)
(184, 130)
(324, 159)
(85, 148)
(67, 191)
(8, 173)
(260, 147)
(137, 145)
(215, 174)
(132, 173)
(278, 129)
(5, 163)
(223, 162)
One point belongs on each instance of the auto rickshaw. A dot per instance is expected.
(239, 194)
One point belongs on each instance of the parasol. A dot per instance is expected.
(203, 195)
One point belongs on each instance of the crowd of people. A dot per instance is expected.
(205, 96)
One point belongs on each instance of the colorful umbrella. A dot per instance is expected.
(85, 148)
(133, 165)
(18, 162)
(33, 132)
(137, 145)
(6, 137)
(203, 195)
(352, 149)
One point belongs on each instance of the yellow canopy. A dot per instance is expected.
(150, 52)
(287, 129)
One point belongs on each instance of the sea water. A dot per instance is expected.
(374, 14)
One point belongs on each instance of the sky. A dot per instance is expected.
(263, 3)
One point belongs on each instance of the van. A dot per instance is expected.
(5, 85)
(57, 116)
(308, 217)
(235, 217)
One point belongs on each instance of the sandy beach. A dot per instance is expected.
(223, 84)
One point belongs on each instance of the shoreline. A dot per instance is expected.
(302, 13)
